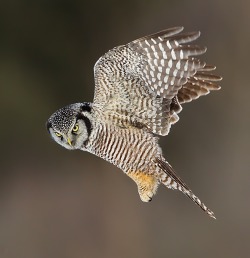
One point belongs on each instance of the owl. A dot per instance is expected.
(139, 91)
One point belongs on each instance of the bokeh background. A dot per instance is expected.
(58, 203)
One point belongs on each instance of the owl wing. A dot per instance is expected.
(145, 81)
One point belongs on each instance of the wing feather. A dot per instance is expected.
(150, 77)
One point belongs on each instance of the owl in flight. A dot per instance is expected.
(139, 90)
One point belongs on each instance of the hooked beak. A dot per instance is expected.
(69, 142)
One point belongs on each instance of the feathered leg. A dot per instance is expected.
(147, 184)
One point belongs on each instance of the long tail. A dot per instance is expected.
(171, 180)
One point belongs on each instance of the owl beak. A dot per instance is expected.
(69, 142)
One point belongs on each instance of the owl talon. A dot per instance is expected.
(146, 197)
(147, 184)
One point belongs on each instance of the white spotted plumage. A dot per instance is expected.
(139, 90)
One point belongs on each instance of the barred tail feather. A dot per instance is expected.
(194, 198)
(172, 181)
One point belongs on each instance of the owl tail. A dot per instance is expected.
(172, 181)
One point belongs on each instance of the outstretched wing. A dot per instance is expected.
(145, 81)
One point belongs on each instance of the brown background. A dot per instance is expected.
(56, 203)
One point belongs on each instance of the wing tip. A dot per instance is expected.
(210, 214)
(175, 29)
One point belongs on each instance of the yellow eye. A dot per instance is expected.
(75, 128)
(58, 134)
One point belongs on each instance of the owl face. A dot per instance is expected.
(69, 127)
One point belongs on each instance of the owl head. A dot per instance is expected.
(71, 126)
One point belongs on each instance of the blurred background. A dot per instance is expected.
(58, 203)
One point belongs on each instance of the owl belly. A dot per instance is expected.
(130, 149)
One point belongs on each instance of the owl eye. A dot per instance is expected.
(58, 134)
(75, 128)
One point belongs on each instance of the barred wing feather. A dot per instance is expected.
(161, 67)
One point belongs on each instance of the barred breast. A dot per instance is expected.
(127, 148)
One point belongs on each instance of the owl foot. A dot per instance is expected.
(146, 196)
(147, 184)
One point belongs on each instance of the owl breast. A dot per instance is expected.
(127, 148)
